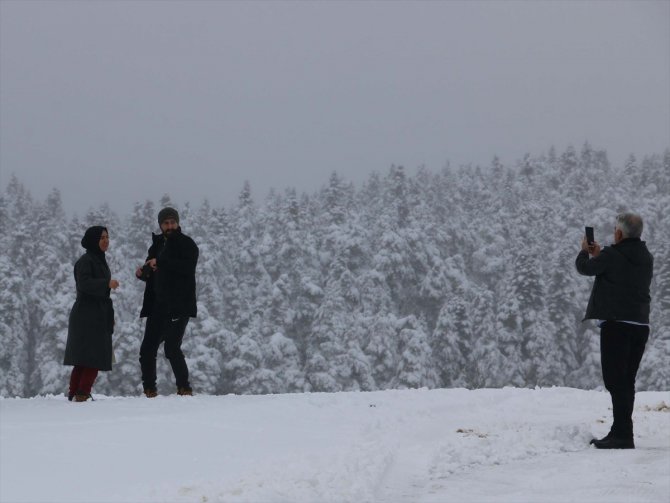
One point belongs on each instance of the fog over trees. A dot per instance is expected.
(462, 277)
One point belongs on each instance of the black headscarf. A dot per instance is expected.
(91, 239)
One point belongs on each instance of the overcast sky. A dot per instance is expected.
(124, 101)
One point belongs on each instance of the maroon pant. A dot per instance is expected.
(82, 379)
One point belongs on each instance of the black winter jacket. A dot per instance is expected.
(173, 283)
(89, 336)
(623, 276)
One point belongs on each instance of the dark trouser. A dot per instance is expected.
(163, 328)
(621, 349)
(81, 380)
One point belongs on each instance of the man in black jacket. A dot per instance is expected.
(620, 301)
(169, 300)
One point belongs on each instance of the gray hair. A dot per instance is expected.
(630, 224)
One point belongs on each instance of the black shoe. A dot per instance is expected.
(614, 443)
(70, 396)
(594, 440)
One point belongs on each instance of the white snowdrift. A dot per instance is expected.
(509, 445)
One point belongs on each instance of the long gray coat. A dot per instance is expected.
(89, 337)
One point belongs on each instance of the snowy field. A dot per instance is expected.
(509, 445)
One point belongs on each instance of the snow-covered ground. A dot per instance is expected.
(508, 445)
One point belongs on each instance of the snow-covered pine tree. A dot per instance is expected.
(415, 363)
(13, 317)
(52, 295)
(335, 360)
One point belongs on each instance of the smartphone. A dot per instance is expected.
(589, 235)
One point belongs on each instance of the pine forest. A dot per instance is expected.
(462, 277)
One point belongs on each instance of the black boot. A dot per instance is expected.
(594, 440)
(614, 443)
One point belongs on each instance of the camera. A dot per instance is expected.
(146, 271)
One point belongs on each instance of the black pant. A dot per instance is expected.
(621, 349)
(161, 328)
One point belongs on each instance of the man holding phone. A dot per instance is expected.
(620, 302)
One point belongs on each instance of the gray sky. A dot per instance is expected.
(123, 101)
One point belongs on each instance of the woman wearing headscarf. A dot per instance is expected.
(89, 337)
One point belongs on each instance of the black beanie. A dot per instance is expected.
(167, 213)
(91, 239)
